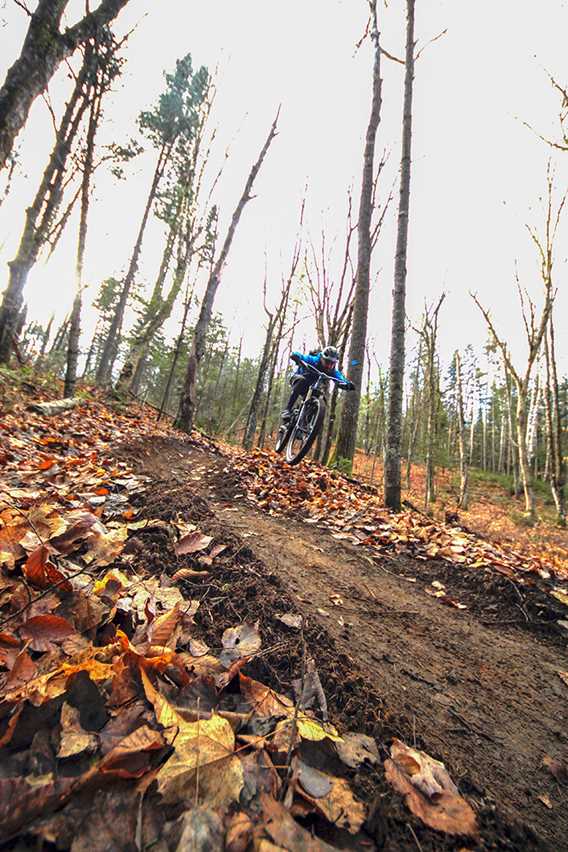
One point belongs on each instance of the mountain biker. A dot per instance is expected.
(325, 361)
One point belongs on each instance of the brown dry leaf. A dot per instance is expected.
(545, 799)
(193, 543)
(104, 547)
(188, 574)
(162, 628)
(291, 620)
(44, 630)
(41, 573)
(10, 647)
(23, 670)
(429, 791)
(80, 525)
(74, 740)
(239, 833)
(356, 749)
(131, 757)
(263, 700)
(10, 548)
(54, 683)
(331, 797)
(204, 749)
(6, 737)
(241, 641)
(279, 831)
(563, 677)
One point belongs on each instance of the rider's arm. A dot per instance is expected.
(307, 359)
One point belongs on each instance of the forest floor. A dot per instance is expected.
(478, 689)
(493, 511)
(419, 631)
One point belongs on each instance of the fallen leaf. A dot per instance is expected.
(44, 630)
(41, 573)
(203, 754)
(130, 758)
(545, 801)
(239, 833)
(192, 543)
(356, 749)
(241, 641)
(332, 797)
(291, 620)
(429, 791)
(74, 740)
(23, 670)
(278, 830)
(563, 677)
(162, 628)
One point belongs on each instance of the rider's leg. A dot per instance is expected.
(300, 386)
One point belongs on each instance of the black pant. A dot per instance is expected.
(300, 387)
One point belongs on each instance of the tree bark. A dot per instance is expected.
(110, 349)
(392, 483)
(250, 427)
(557, 463)
(463, 498)
(75, 325)
(41, 214)
(44, 48)
(188, 398)
(347, 436)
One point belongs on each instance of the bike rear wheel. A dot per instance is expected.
(305, 431)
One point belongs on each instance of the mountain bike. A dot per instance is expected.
(306, 420)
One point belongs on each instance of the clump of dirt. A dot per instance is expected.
(240, 587)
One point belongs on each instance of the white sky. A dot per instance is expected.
(478, 174)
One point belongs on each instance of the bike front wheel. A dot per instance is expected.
(305, 431)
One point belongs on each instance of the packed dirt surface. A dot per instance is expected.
(477, 688)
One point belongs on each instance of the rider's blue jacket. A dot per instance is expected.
(314, 360)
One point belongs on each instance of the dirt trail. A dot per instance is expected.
(487, 700)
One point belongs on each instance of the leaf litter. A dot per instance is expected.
(105, 656)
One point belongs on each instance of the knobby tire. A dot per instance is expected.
(294, 459)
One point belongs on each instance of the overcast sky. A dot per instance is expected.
(478, 173)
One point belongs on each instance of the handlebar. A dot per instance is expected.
(319, 372)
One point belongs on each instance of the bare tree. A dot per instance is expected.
(188, 399)
(392, 482)
(428, 331)
(555, 431)
(105, 67)
(460, 414)
(347, 435)
(44, 48)
(41, 225)
(535, 328)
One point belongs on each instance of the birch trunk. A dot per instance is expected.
(392, 483)
(463, 498)
(347, 436)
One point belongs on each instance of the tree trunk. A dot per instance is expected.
(44, 48)
(463, 498)
(41, 214)
(175, 359)
(347, 436)
(75, 325)
(188, 398)
(392, 483)
(110, 349)
(524, 462)
(556, 434)
(250, 427)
